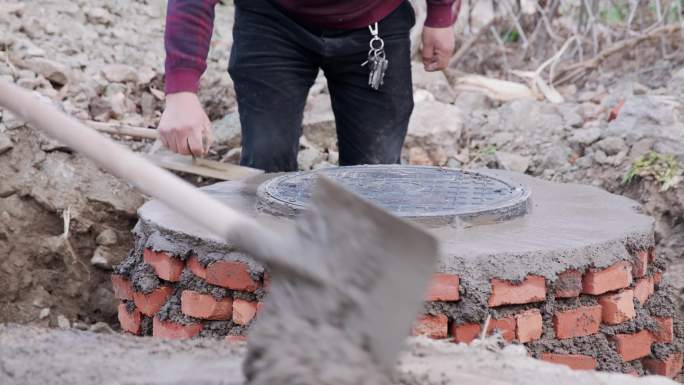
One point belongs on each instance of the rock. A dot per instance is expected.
(434, 82)
(435, 127)
(585, 136)
(512, 162)
(422, 96)
(49, 144)
(323, 164)
(106, 238)
(472, 101)
(333, 157)
(16, 9)
(97, 15)
(227, 130)
(308, 158)
(120, 105)
(145, 76)
(119, 73)
(63, 322)
(678, 74)
(102, 258)
(646, 116)
(5, 143)
(44, 313)
(418, 156)
(101, 328)
(612, 145)
(318, 125)
(571, 115)
(556, 157)
(11, 121)
(49, 69)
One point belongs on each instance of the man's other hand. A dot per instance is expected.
(438, 46)
(184, 125)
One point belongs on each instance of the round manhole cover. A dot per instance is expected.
(413, 192)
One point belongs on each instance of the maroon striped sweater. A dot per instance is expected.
(189, 25)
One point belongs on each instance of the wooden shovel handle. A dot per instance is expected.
(152, 180)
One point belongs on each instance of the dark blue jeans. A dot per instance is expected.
(275, 60)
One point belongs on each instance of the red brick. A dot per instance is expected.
(465, 333)
(652, 254)
(573, 361)
(657, 278)
(505, 326)
(433, 326)
(532, 289)
(578, 322)
(569, 284)
(618, 276)
(236, 339)
(243, 311)
(443, 287)
(633, 346)
(173, 331)
(669, 367)
(122, 287)
(643, 289)
(618, 307)
(205, 306)
(130, 322)
(665, 330)
(640, 265)
(149, 304)
(529, 325)
(196, 267)
(167, 267)
(232, 275)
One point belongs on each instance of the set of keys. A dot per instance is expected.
(377, 63)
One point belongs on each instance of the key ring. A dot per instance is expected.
(376, 39)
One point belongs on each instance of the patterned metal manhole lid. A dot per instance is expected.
(413, 192)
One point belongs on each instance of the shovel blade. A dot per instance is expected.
(380, 261)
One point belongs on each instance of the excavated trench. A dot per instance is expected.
(568, 271)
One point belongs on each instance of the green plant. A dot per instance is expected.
(664, 169)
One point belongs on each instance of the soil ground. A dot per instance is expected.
(32, 356)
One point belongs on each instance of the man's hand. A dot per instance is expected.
(438, 46)
(184, 125)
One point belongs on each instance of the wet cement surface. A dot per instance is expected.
(570, 226)
(35, 356)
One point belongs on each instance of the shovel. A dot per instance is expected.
(340, 243)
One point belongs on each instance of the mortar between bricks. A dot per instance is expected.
(579, 247)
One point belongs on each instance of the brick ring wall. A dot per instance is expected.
(616, 315)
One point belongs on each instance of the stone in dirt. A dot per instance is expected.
(226, 131)
(318, 125)
(434, 82)
(5, 143)
(119, 73)
(436, 127)
(512, 162)
(121, 359)
(49, 69)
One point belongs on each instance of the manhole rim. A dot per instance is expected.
(517, 203)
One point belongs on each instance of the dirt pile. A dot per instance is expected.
(64, 224)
